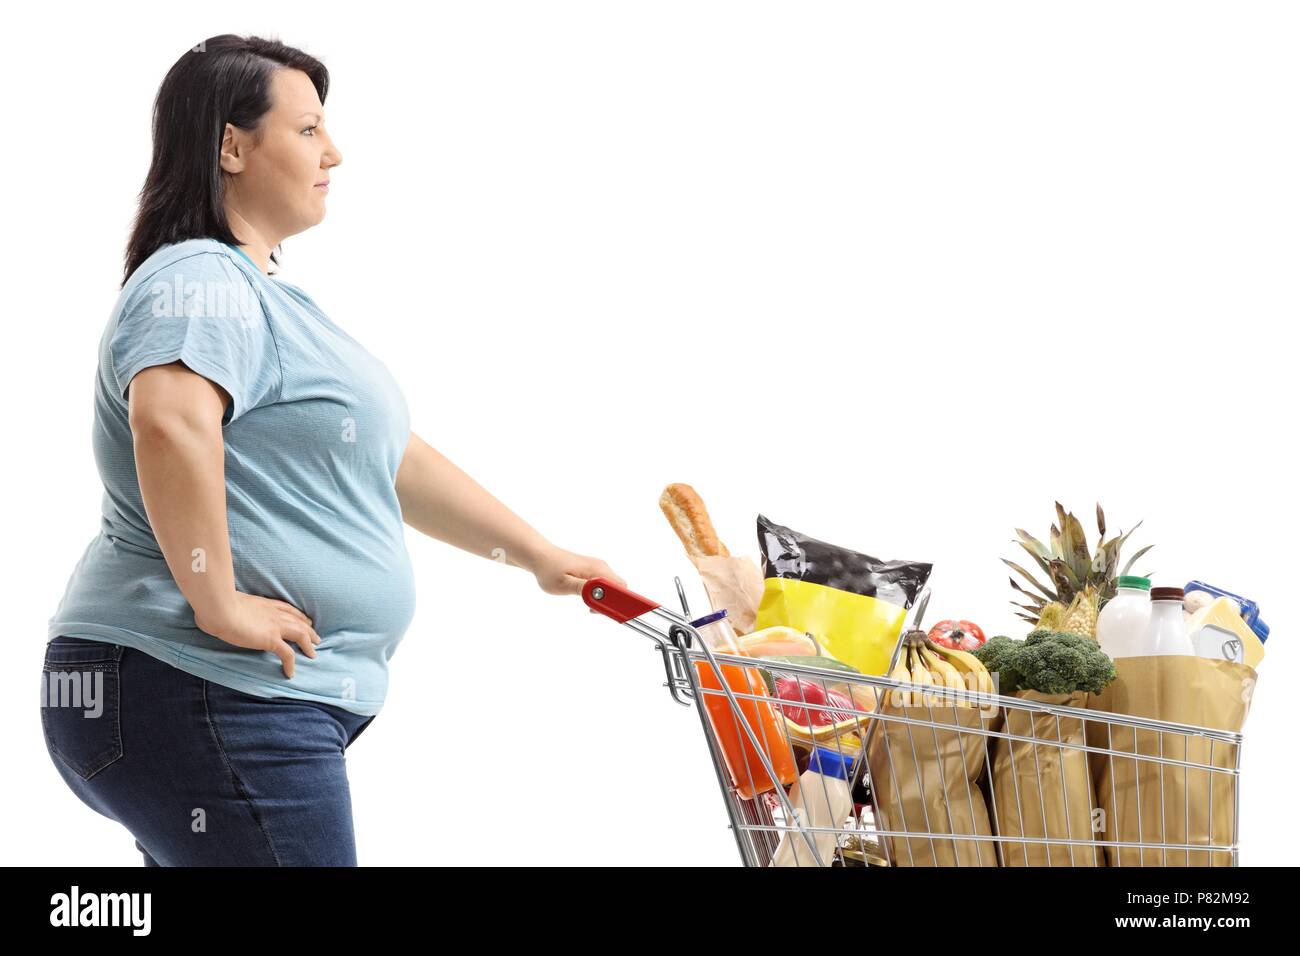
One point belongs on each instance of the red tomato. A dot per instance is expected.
(800, 691)
(959, 635)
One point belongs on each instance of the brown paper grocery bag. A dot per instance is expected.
(733, 582)
(923, 780)
(1149, 802)
(1043, 790)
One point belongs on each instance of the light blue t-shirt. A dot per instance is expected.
(314, 434)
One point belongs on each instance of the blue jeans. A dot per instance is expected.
(199, 773)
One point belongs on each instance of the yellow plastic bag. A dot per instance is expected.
(851, 603)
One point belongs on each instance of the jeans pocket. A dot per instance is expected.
(80, 698)
(360, 730)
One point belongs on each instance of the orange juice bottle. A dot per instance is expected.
(742, 760)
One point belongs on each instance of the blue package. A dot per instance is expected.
(831, 763)
(1249, 609)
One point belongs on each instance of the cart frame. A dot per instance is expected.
(762, 825)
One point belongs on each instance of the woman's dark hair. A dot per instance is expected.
(226, 79)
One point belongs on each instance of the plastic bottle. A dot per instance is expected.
(743, 762)
(1167, 633)
(822, 801)
(1122, 624)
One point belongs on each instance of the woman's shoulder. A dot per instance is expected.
(191, 260)
(194, 279)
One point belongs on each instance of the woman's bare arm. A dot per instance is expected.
(442, 501)
(175, 417)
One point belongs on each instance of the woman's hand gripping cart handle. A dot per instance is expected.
(637, 612)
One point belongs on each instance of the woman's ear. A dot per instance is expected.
(232, 149)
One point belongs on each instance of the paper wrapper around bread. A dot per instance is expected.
(924, 780)
(1043, 790)
(735, 583)
(1148, 802)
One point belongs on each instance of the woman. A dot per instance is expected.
(226, 635)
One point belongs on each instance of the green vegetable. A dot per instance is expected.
(1050, 662)
(823, 663)
(998, 657)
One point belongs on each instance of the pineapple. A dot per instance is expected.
(1080, 582)
(1052, 616)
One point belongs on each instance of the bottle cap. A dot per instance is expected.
(1134, 581)
(1166, 594)
(831, 763)
(709, 619)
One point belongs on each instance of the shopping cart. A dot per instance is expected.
(910, 775)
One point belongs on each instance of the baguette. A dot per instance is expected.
(686, 513)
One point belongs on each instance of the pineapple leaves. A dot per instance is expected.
(1076, 547)
(1071, 565)
(1110, 558)
(1041, 560)
(1029, 594)
(1030, 578)
(1124, 536)
(1098, 565)
(1038, 601)
(1066, 581)
(1128, 565)
(1033, 545)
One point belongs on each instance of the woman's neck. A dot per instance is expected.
(250, 240)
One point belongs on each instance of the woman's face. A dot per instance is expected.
(274, 183)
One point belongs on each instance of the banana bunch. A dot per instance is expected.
(927, 664)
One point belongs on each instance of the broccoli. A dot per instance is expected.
(1060, 662)
(998, 655)
(1051, 662)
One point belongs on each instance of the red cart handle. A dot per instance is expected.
(615, 602)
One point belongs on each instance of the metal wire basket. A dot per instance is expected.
(860, 770)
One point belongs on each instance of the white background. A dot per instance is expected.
(898, 276)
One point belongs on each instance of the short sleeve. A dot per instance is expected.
(203, 311)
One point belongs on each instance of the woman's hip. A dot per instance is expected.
(200, 773)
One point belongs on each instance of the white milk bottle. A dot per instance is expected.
(1167, 632)
(1122, 625)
